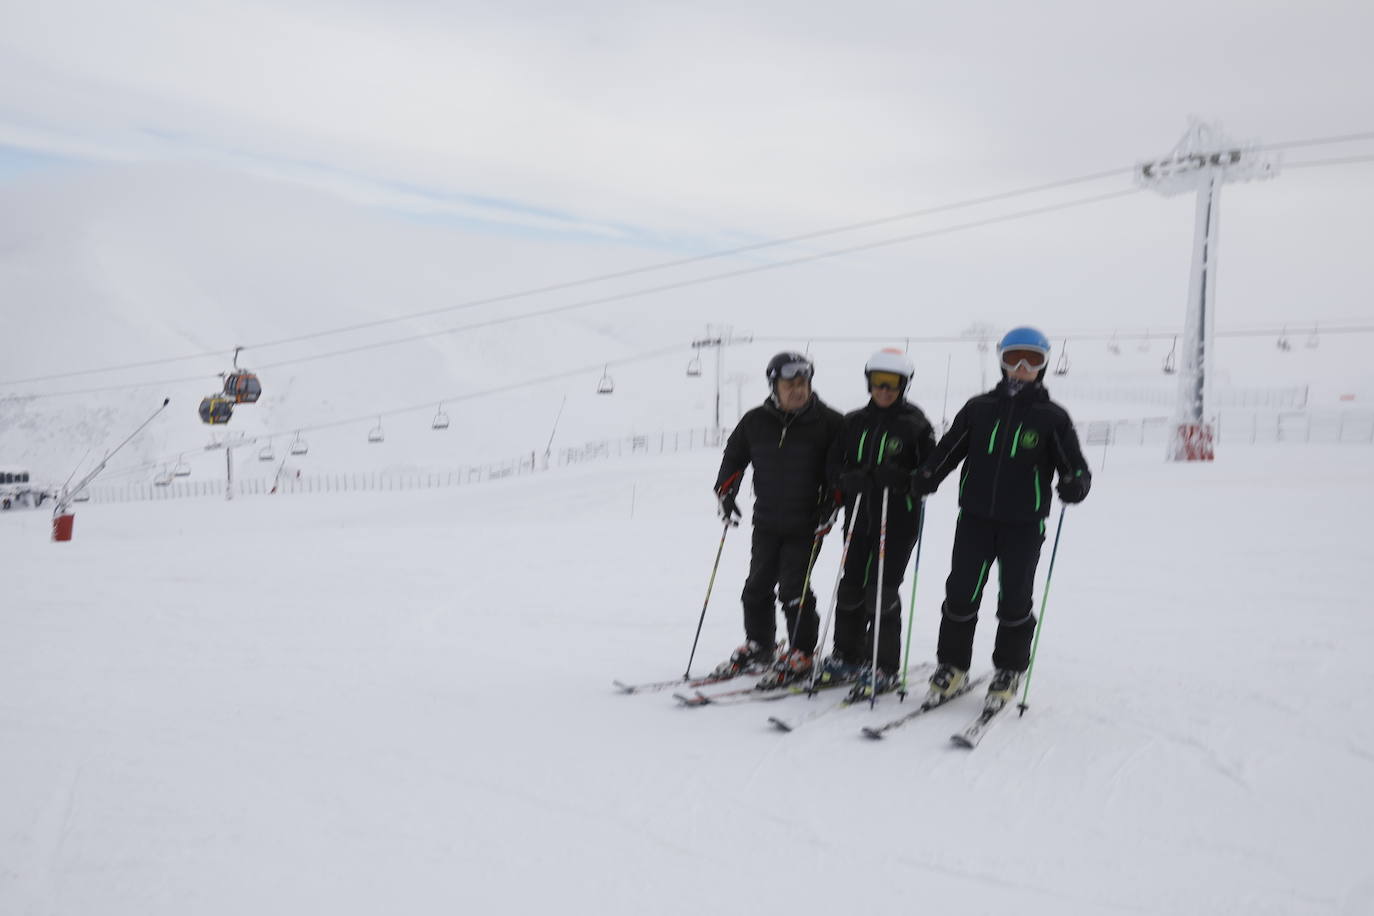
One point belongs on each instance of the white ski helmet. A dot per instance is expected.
(891, 360)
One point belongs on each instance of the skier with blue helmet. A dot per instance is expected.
(1011, 440)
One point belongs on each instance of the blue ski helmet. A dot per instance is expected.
(1024, 338)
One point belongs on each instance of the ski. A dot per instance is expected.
(659, 686)
(878, 731)
(974, 731)
(747, 695)
(735, 697)
(787, 725)
(796, 722)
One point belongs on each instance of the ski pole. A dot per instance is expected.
(851, 517)
(878, 601)
(687, 675)
(801, 602)
(1044, 600)
(911, 608)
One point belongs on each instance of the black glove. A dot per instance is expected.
(894, 478)
(853, 482)
(1074, 489)
(923, 483)
(729, 511)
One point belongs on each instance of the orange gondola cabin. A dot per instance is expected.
(243, 386)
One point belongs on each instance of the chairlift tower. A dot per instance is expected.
(724, 337)
(1201, 162)
(229, 443)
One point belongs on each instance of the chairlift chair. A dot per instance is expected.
(298, 445)
(1062, 367)
(694, 367)
(440, 419)
(1113, 346)
(606, 385)
(216, 410)
(182, 469)
(266, 454)
(1169, 365)
(163, 479)
(1312, 341)
(376, 434)
(1282, 343)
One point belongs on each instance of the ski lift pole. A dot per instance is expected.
(64, 501)
(911, 608)
(1044, 600)
(725, 529)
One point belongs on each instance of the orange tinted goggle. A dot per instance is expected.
(885, 380)
(1013, 358)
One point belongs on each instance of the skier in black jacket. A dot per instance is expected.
(881, 445)
(786, 439)
(1011, 441)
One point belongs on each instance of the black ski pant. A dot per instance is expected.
(978, 543)
(859, 593)
(778, 560)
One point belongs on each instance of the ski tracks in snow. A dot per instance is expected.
(35, 874)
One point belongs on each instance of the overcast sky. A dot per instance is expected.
(675, 119)
(553, 141)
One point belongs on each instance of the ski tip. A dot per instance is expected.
(961, 741)
(871, 733)
(779, 724)
(623, 687)
(694, 700)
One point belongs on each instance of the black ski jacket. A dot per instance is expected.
(899, 435)
(788, 452)
(1011, 446)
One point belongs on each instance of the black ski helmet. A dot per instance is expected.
(789, 364)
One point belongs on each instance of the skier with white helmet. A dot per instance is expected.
(1011, 440)
(881, 445)
(787, 440)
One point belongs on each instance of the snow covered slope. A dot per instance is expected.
(401, 702)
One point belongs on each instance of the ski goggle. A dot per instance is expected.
(1014, 358)
(885, 380)
(794, 370)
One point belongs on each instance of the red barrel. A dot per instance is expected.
(62, 527)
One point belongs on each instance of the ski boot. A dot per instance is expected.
(944, 683)
(788, 669)
(749, 658)
(836, 669)
(1002, 690)
(866, 687)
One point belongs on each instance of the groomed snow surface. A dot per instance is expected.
(402, 703)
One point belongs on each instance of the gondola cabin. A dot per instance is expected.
(216, 410)
(242, 386)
